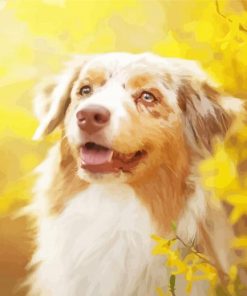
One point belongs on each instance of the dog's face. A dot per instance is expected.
(125, 115)
(121, 115)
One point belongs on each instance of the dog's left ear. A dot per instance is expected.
(53, 97)
(206, 113)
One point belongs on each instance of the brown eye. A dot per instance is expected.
(85, 90)
(147, 97)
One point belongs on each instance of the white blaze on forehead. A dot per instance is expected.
(113, 97)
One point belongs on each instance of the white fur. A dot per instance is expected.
(195, 211)
(101, 245)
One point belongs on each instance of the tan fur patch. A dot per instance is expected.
(204, 125)
(66, 183)
(96, 76)
(164, 193)
(161, 179)
(139, 81)
(168, 81)
(210, 92)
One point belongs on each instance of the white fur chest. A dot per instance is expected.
(99, 246)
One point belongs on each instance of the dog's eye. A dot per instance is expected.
(148, 98)
(85, 90)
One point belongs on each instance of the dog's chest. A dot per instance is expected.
(100, 245)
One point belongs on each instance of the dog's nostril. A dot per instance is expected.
(101, 118)
(80, 116)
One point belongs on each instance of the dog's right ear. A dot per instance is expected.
(53, 98)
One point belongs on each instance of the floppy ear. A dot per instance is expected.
(53, 98)
(206, 113)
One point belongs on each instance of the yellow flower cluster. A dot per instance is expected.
(194, 266)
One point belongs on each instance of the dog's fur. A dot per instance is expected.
(93, 228)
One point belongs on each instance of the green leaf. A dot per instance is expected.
(172, 283)
(174, 226)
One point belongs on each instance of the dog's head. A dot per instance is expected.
(124, 115)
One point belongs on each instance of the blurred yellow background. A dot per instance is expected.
(37, 36)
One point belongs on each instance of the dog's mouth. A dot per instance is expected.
(100, 159)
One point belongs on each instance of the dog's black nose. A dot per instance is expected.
(93, 118)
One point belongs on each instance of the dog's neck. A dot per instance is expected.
(165, 195)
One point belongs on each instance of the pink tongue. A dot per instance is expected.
(95, 156)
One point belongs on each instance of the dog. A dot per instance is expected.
(134, 128)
